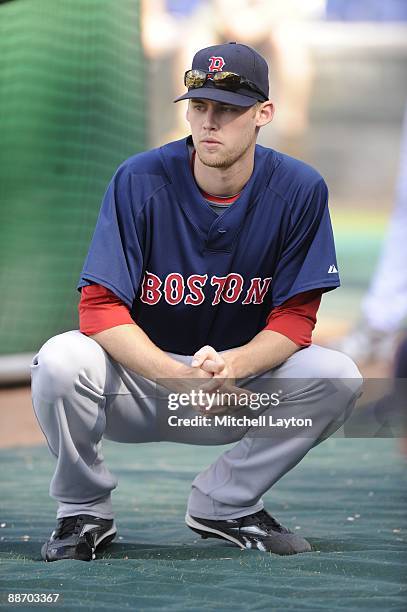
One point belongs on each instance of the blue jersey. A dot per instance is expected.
(191, 277)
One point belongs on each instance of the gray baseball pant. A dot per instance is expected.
(80, 395)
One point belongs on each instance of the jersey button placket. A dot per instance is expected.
(218, 239)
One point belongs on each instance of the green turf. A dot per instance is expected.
(159, 564)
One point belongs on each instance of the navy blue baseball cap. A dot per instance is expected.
(236, 58)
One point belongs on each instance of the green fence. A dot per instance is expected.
(72, 108)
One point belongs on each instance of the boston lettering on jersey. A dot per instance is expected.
(191, 277)
(175, 289)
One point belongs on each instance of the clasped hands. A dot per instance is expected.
(213, 374)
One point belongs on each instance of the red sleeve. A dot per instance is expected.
(100, 309)
(296, 317)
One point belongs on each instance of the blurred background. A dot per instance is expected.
(86, 83)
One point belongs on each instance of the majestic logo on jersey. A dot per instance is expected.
(332, 270)
(216, 63)
(175, 289)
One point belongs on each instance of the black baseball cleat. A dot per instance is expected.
(259, 530)
(77, 537)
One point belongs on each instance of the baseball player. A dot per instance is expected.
(204, 274)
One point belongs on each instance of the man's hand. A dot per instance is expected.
(212, 363)
(208, 360)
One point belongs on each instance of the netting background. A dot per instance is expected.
(71, 109)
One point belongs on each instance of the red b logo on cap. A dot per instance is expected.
(216, 63)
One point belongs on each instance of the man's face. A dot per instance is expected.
(222, 133)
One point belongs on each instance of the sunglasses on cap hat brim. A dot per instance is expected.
(221, 86)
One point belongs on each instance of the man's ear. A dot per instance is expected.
(187, 113)
(265, 113)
